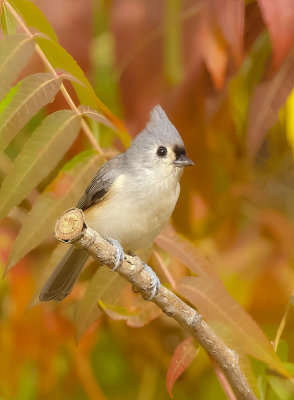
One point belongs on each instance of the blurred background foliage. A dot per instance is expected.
(223, 71)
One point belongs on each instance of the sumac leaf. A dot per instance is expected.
(40, 154)
(62, 193)
(15, 52)
(106, 286)
(31, 95)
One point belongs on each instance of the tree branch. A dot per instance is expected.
(71, 228)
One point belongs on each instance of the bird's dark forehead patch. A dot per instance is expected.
(179, 150)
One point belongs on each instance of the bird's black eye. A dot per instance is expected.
(161, 151)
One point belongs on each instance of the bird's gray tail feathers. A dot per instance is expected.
(63, 278)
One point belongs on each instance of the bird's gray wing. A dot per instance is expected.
(101, 183)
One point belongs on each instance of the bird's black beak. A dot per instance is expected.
(183, 161)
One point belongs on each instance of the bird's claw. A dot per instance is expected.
(155, 282)
(119, 256)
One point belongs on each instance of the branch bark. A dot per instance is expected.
(71, 228)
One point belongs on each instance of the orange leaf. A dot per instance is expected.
(181, 359)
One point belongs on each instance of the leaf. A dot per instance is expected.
(15, 52)
(290, 368)
(136, 313)
(186, 252)
(59, 58)
(283, 387)
(8, 22)
(278, 15)
(184, 354)
(105, 285)
(268, 98)
(146, 312)
(62, 193)
(116, 312)
(94, 115)
(33, 17)
(230, 15)
(40, 154)
(33, 93)
(229, 319)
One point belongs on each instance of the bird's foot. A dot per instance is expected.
(155, 282)
(119, 256)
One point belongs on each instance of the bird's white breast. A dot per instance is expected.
(134, 212)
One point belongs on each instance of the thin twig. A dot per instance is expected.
(63, 90)
(223, 380)
(71, 228)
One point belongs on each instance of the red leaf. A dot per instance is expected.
(230, 16)
(228, 319)
(181, 359)
(186, 252)
(278, 15)
(267, 99)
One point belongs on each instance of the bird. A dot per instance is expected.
(129, 201)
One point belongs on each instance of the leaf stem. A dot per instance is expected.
(63, 90)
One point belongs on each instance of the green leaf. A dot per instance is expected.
(105, 285)
(290, 368)
(33, 93)
(59, 58)
(62, 193)
(33, 17)
(40, 154)
(15, 52)
(95, 116)
(283, 387)
(8, 22)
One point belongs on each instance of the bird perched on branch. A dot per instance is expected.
(129, 200)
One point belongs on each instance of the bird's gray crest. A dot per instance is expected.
(159, 130)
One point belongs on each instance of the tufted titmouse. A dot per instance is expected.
(129, 200)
